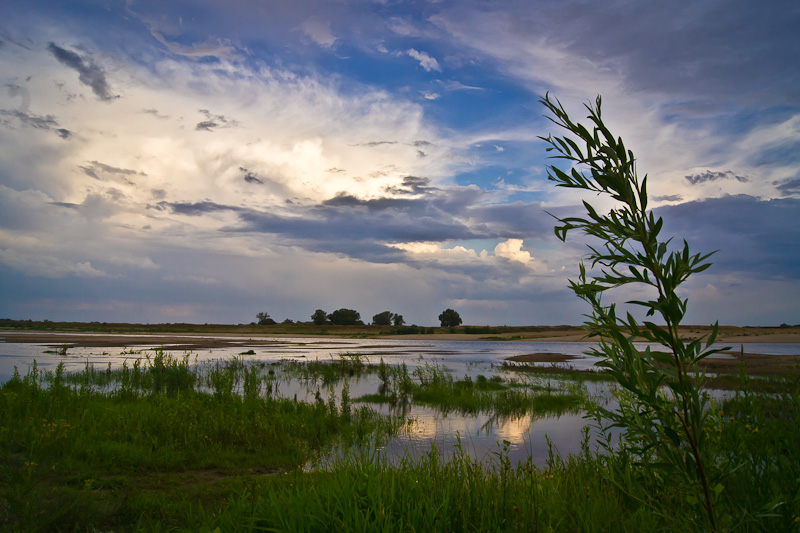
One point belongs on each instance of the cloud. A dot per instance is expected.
(752, 235)
(250, 177)
(411, 185)
(195, 208)
(15, 90)
(215, 121)
(99, 171)
(708, 175)
(211, 48)
(47, 122)
(47, 266)
(320, 33)
(668, 198)
(512, 250)
(206, 125)
(90, 74)
(453, 85)
(155, 113)
(789, 186)
(426, 61)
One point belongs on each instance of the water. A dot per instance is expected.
(480, 435)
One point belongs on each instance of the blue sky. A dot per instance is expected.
(203, 161)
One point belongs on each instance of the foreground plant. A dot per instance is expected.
(664, 408)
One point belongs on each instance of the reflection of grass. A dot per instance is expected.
(326, 372)
(60, 350)
(432, 385)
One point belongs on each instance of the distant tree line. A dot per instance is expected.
(448, 318)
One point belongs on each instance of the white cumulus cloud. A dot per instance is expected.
(426, 61)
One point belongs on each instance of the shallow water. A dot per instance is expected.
(480, 435)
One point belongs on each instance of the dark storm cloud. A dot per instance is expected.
(155, 113)
(708, 175)
(365, 229)
(194, 209)
(518, 220)
(411, 185)
(99, 171)
(251, 177)
(116, 170)
(375, 143)
(668, 198)
(788, 187)
(344, 220)
(89, 73)
(206, 125)
(215, 121)
(68, 205)
(686, 47)
(757, 236)
(47, 122)
(89, 171)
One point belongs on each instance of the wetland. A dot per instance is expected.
(186, 432)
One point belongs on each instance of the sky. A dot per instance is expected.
(176, 161)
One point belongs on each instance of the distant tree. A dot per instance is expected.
(288, 321)
(383, 319)
(449, 318)
(264, 319)
(320, 318)
(398, 320)
(345, 317)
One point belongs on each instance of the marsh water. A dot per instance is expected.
(481, 435)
